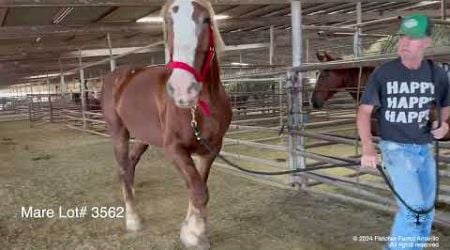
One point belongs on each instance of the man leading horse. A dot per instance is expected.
(404, 90)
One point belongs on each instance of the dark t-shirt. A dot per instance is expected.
(404, 99)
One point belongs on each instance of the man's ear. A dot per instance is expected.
(428, 42)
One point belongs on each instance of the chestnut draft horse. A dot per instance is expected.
(331, 81)
(158, 106)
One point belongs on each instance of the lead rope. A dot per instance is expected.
(203, 142)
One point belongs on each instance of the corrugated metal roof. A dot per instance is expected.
(247, 24)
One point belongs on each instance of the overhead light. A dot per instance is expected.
(150, 19)
(158, 19)
(239, 64)
(43, 76)
(221, 17)
(59, 17)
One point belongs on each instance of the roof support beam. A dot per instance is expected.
(65, 3)
(18, 32)
(3, 14)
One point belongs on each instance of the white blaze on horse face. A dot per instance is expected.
(184, 88)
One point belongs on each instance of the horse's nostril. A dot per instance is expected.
(195, 86)
(316, 104)
(170, 89)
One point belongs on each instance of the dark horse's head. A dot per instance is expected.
(192, 39)
(329, 81)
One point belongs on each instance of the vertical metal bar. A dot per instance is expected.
(296, 33)
(48, 84)
(82, 94)
(357, 37)
(307, 51)
(62, 81)
(280, 99)
(30, 110)
(296, 142)
(357, 51)
(443, 10)
(271, 47)
(166, 52)
(31, 100)
(50, 107)
(240, 63)
(112, 62)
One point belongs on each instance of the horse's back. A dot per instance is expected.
(135, 97)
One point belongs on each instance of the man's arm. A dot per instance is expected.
(443, 102)
(369, 155)
(443, 127)
(445, 113)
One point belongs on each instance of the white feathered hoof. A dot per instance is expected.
(192, 238)
(133, 223)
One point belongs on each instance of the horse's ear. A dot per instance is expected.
(320, 57)
(329, 58)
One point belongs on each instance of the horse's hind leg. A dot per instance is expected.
(193, 231)
(126, 173)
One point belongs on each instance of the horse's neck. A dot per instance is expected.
(354, 86)
(212, 82)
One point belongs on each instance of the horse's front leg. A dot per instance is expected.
(127, 162)
(193, 231)
(203, 166)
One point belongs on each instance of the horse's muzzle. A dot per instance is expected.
(317, 104)
(185, 104)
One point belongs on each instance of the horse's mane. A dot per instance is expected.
(219, 44)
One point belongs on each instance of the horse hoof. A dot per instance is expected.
(193, 241)
(134, 225)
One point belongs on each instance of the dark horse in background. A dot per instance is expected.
(93, 103)
(330, 81)
(157, 105)
(92, 98)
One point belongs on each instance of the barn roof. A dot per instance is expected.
(47, 36)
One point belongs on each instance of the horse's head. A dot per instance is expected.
(328, 82)
(190, 36)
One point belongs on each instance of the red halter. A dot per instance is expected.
(199, 76)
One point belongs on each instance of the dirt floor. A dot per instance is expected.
(52, 166)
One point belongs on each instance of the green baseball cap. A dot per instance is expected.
(415, 26)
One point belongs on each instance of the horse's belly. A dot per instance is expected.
(142, 126)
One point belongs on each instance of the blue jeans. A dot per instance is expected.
(412, 170)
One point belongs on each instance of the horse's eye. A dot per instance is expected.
(207, 20)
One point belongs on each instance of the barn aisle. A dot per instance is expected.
(51, 166)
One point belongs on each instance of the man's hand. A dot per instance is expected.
(369, 157)
(441, 131)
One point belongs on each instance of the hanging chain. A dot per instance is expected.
(194, 123)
